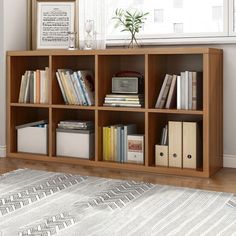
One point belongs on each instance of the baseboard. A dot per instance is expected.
(229, 161)
(2, 151)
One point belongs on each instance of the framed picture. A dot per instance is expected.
(51, 20)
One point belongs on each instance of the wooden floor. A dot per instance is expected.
(224, 180)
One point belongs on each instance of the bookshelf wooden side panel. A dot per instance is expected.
(215, 112)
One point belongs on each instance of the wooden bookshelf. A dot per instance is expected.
(153, 63)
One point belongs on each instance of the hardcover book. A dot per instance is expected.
(135, 149)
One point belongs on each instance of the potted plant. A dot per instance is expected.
(131, 21)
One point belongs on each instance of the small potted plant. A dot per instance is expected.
(131, 21)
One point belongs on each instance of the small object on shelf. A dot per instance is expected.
(72, 40)
(89, 35)
(129, 85)
(75, 143)
(135, 144)
(32, 137)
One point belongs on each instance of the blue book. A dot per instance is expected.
(78, 75)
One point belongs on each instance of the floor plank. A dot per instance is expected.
(223, 181)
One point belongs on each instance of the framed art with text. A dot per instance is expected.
(51, 22)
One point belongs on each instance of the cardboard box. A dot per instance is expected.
(32, 137)
(75, 143)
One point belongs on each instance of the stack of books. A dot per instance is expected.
(34, 87)
(121, 143)
(76, 124)
(77, 88)
(182, 91)
(124, 100)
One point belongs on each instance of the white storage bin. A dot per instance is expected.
(32, 139)
(75, 143)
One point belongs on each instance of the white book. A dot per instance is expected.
(42, 85)
(186, 81)
(190, 89)
(182, 94)
(135, 144)
(128, 129)
(61, 87)
(178, 92)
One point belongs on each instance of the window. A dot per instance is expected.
(167, 19)
(173, 17)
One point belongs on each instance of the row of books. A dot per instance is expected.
(34, 87)
(77, 87)
(76, 124)
(182, 91)
(122, 144)
(183, 148)
(124, 100)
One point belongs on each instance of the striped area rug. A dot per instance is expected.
(47, 203)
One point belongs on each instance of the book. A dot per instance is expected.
(61, 88)
(86, 78)
(186, 87)
(182, 90)
(135, 149)
(171, 99)
(125, 96)
(128, 129)
(164, 91)
(178, 92)
(22, 88)
(121, 105)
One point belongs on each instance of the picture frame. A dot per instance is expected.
(49, 22)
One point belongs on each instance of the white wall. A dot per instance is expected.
(229, 104)
(13, 36)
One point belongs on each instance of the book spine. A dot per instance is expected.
(178, 92)
(61, 87)
(165, 93)
(81, 88)
(194, 91)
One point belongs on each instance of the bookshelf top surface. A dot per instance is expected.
(117, 51)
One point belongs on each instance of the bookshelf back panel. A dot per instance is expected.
(18, 67)
(23, 115)
(108, 66)
(68, 114)
(74, 63)
(107, 118)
